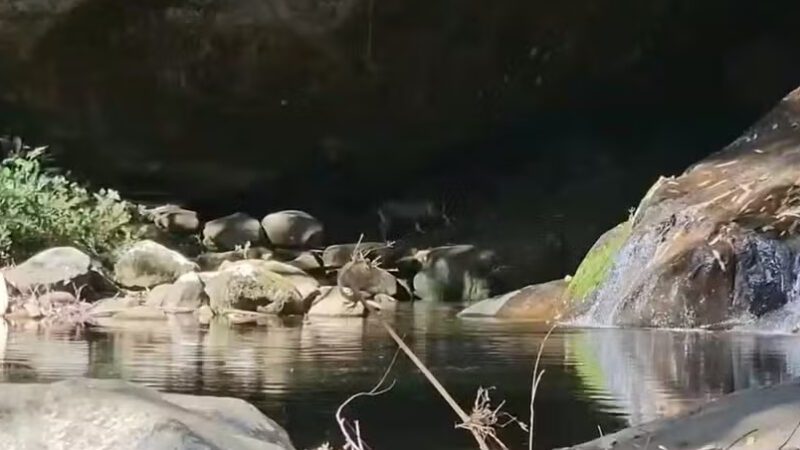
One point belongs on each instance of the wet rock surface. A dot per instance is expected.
(146, 264)
(763, 418)
(247, 285)
(84, 414)
(293, 229)
(543, 302)
(716, 243)
(59, 268)
(229, 232)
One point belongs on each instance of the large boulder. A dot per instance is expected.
(87, 414)
(212, 260)
(249, 286)
(454, 273)
(187, 294)
(229, 232)
(366, 277)
(174, 219)
(758, 418)
(304, 283)
(543, 302)
(718, 243)
(60, 268)
(146, 264)
(293, 229)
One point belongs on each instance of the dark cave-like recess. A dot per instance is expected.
(538, 123)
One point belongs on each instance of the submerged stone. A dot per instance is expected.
(543, 302)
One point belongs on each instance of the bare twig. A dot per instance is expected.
(486, 420)
(789, 439)
(465, 418)
(355, 442)
(741, 438)
(537, 378)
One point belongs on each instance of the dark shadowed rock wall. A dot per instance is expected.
(538, 122)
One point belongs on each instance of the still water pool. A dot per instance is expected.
(298, 372)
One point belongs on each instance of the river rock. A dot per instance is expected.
(185, 295)
(90, 414)
(248, 285)
(717, 243)
(60, 268)
(759, 418)
(454, 273)
(308, 262)
(174, 219)
(543, 302)
(212, 260)
(364, 276)
(304, 283)
(108, 307)
(146, 264)
(293, 229)
(336, 256)
(333, 302)
(141, 312)
(229, 232)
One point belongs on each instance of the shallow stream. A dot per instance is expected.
(298, 372)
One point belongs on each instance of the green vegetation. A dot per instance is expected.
(595, 266)
(42, 208)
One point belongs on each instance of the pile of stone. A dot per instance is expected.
(245, 270)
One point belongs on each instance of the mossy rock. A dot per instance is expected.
(597, 263)
(247, 287)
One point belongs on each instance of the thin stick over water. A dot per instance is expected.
(536, 379)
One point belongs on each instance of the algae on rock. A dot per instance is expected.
(597, 263)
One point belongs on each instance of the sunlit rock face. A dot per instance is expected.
(717, 243)
(535, 121)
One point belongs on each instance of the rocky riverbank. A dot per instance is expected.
(764, 418)
(239, 268)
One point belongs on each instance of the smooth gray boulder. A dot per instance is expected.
(543, 302)
(146, 264)
(454, 273)
(212, 260)
(186, 294)
(59, 268)
(364, 276)
(229, 232)
(760, 418)
(293, 229)
(85, 414)
(174, 219)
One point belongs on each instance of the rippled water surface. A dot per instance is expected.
(298, 372)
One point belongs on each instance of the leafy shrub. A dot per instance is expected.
(42, 208)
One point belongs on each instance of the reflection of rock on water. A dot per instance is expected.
(643, 374)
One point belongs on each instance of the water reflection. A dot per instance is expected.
(298, 371)
(642, 375)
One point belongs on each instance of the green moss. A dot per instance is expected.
(596, 264)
